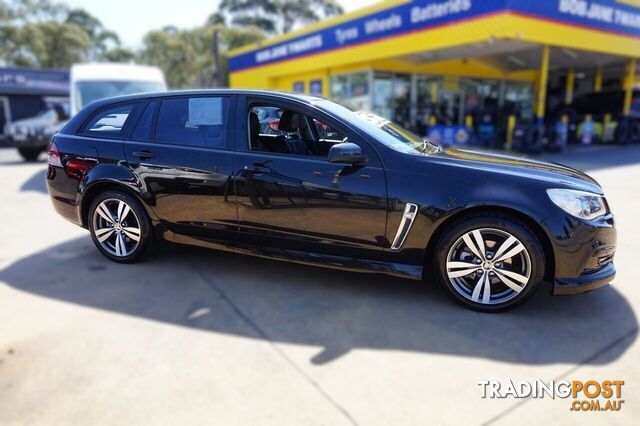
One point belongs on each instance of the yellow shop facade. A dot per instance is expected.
(459, 63)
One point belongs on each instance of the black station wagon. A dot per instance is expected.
(304, 179)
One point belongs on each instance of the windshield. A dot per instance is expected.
(89, 91)
(385, 131)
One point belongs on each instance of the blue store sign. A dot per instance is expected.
(605, 15)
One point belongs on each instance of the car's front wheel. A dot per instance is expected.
(489, 262)
(120, 227)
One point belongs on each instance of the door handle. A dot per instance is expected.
(144, 155)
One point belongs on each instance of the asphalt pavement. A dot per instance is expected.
(194, 336)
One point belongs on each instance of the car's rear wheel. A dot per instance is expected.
(120, 227)
(30, 154)
(490, 262)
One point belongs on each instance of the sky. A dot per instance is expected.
(132, 19)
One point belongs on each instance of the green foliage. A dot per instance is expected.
(49, 45)
(187, 56)
(102, 40)
(235, 38)
(277, 16)
(120, 54)
(178, 54)
(47, 34)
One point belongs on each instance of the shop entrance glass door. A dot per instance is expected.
(392, 97)
(352, 89)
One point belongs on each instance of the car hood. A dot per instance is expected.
(521, 167)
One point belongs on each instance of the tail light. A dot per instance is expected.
(76, 168)
(54, 156)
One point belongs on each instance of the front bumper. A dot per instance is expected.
(586, 282)
(584, 252)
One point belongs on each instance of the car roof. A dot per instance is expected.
(201, 92)
(74, 124)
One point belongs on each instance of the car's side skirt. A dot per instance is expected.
(401, 270)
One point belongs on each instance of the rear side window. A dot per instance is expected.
(193, 121)
(109, 121)
(269, 119)
(144, 128)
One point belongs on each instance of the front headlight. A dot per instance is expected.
(584, 205)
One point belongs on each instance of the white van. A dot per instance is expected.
(91, 82)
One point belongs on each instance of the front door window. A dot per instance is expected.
(287, 131)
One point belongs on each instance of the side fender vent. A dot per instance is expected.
(409, 215)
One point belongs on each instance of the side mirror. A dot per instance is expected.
(347, 153)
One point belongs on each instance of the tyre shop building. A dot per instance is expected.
(466, 70)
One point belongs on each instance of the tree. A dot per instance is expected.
(187, 56)
(36, 10)
(47, 34)
(102, 40)
(183, 55)
(50, 45)
(277, 16)
(120, 54)
(44, 33)
(235, 38)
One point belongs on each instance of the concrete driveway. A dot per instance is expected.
(204, 337)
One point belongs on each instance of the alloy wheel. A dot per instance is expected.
(116, 227)
(488, 266)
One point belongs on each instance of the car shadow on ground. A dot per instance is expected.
(338, 311)
(36, 182)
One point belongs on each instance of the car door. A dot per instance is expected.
(291, 197)
(181, 152)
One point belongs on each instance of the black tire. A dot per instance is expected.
(29, 153)
(138, 251)
(532, 260)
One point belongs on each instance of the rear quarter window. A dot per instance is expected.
(109, 122)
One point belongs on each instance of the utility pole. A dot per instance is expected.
(217, 73)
